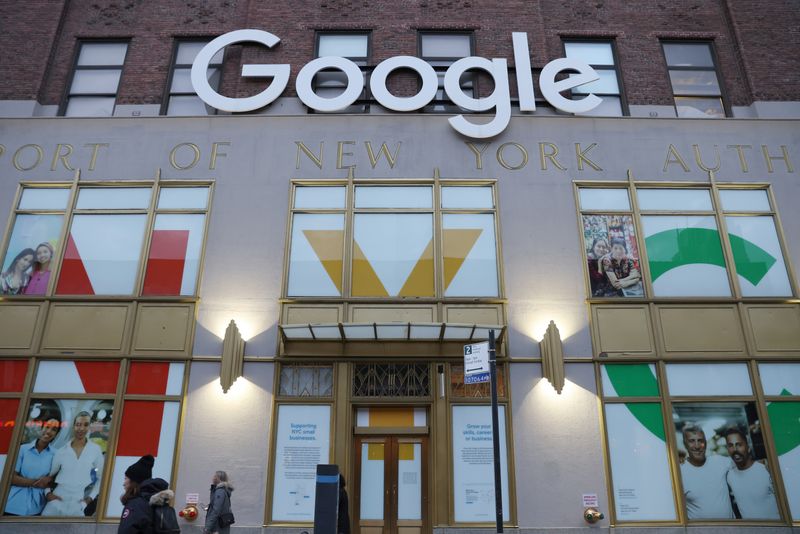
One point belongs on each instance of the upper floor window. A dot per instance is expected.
(600, 56)
(402, 243)
(442, 50)
(182, 98)
(694, 78)
(331, 83)
(110, 231)
(683, 242)
(95, 80)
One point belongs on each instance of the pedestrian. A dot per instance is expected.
(344, 509)
(141, 493)
(218, 515)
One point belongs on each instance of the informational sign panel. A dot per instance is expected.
(473, 464)
(476, 363)
(303, 442)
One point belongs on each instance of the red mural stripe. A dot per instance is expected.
(141, 428)
(166, 262)
(8, 413)
(73, 280)
(148, 378)
(98, 377)
(12, 375)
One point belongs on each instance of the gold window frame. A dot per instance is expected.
(666, 402)
(119, 398)
(349, 211)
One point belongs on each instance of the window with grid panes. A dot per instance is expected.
(331, 83)
(694, 78)
(103, 251)
(600, 56)
(725, 438)
(392, 229)
(441, 50)
(182, 98)
(692, 241)
(95, 79)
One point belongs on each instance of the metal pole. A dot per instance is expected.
(498, 490)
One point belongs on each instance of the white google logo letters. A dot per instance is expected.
(500, 99)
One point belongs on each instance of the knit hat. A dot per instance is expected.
(141, 470)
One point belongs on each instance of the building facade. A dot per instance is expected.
(258, 252)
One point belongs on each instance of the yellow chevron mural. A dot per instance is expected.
(328, 245)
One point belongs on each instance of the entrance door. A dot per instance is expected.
(390, 485)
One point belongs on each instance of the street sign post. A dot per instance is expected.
(480, 365)
(476, 363)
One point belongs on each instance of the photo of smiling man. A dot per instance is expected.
(704, 477)
(749, 480)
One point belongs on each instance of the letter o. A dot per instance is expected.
(174, 162)
(39, 156)
(355, 83)
(502, 160)
(377, 83)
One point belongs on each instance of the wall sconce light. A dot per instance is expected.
(232, 357)
(553, 357)
(440, 371)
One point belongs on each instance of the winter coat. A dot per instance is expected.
(344, 510)
(137, 517)
(219, 503)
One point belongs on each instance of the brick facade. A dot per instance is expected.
(756, 42)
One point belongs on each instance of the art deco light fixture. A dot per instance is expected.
(553, 357)
(232, 357)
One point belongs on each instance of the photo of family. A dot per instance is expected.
(723, 462)
(612, 256)
(30, 255)
(59, 466)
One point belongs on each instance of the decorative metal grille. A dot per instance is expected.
(306, 381)
(459, 389)
(392, 380)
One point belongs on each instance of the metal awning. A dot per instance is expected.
(393, 331)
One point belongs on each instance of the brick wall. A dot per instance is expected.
(756, 41)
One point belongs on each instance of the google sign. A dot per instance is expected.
(500, 99)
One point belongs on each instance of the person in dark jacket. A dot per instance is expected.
(141, 493)
(344, 510)
(219, 503)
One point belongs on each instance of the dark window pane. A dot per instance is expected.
(694, 82)
(699, 107)
(688, 55)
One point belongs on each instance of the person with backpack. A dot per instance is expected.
(218, 515)
(147, 502)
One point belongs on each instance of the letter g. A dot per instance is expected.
(279, 73)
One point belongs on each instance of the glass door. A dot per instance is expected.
(390, 489)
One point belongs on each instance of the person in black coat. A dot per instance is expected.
(141, 493)
(344, 510)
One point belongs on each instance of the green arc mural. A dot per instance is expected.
(639, 381)
(673, 248)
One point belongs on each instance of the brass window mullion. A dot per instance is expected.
(349, 241)
(716, 202)
(148, 229)
(776, 220)
(206, 224)
(438, 242)
(644, 265)
(66, 226)
(113, 440)
(672, 446)
(769, 443)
